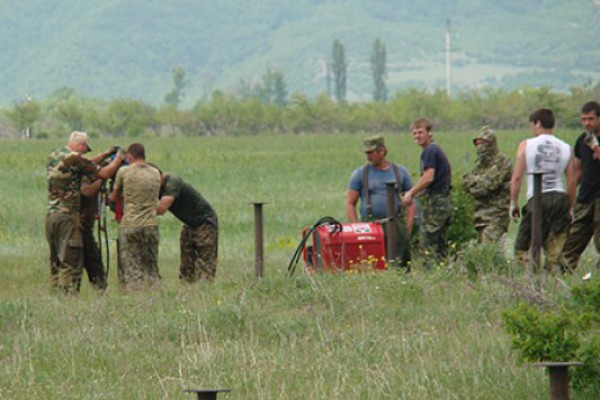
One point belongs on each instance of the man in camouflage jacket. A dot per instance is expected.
(65, 169)
(489, 184)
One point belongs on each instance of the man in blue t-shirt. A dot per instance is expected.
(434, 186)
(369, 184)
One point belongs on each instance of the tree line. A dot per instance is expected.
(267, 107)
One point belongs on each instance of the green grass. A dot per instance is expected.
(386, 335)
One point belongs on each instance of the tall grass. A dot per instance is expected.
(384, 335)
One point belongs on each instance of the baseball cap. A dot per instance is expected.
(371, 143)
(80, 137)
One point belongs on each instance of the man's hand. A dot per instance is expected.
(591, 140)
(112, 150)
(513, 211)
(407, 198)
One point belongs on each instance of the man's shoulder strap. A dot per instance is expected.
(365, 184)
(397, 174)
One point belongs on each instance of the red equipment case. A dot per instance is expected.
(357, 246)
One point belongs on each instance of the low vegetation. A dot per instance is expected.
(265, 110)
(388, 335)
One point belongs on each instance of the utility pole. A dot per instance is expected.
(448, 58)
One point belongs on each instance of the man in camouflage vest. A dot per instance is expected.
(489, 184)
(138, 184)
(65, 169)
(199, 236)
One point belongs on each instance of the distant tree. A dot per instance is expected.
(128, 118)
(247, 90)
(24, 115)
(339, 69)
(271, 90)
(274, 88)
(70, 113)
(175, 96)
(379, 70)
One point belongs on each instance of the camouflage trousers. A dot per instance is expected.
(585, 225)
(66, 251)
(555, 225)
(491, 233)
(433, 232)
(93, 259)
(199, 247)
(138, 257)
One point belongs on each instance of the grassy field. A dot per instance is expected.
(383, 335)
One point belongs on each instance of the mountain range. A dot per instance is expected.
(129, 48)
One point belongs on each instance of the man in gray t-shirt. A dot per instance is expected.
(369, 184)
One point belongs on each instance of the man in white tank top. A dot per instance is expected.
(550, 156)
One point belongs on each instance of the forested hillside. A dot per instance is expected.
(129, 48)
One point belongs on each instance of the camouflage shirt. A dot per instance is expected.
(64, 170)
(489, 182)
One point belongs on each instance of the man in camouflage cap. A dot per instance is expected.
(369, 184)
(65, 169)
(489, 184)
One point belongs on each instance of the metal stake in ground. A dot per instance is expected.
(559, 378)
(536, 223)
(207, 394)
(258, 239)
(390, 231)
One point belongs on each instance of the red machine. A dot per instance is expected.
(356, 246)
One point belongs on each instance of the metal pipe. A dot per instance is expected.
(207, 394)
(536, 223)
(258, 240)
(559, 378)
(390, 231)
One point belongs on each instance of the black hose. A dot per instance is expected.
(296, 257)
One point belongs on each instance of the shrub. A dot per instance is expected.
(567, 333)
(462, 228)
(541, 336)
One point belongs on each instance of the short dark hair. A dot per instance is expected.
(137, 151)
(422, 123)
(591, 106)
(545, 116)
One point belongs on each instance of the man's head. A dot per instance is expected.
(79, 142)
(136, 152)
(485, 142)
(421, 130)
(374, 148)
(590, 116)
(542, 120)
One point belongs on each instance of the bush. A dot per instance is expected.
(462, 227)
(542, 336)
(568, 333)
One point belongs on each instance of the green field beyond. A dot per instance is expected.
(384, 335)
